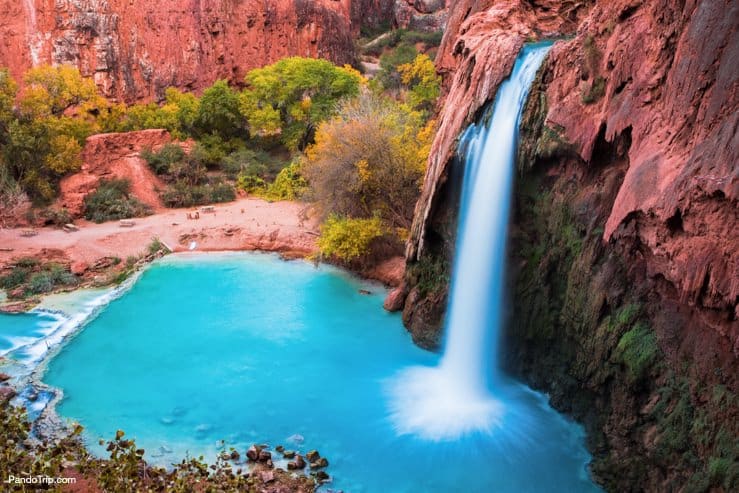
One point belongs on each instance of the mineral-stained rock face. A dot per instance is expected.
(114, 155)
(134, 50)
(625, 273)
(422, 15)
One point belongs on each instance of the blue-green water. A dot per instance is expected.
(247, 348)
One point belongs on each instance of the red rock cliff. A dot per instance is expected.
(135, 50)
(625, 253)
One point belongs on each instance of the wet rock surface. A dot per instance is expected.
(623, 242)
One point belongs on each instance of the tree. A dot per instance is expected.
(422, 82)
(219, 112)
(185, 107)
(8, 90)
(52, 90)
(291, 97)
(389, 63)
(369, 161)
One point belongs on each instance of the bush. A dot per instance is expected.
(16, 277)
(57, 217)
(112, 201)
(40, 283)
(369, 159)
(211, 150)
(161, 162)
(60, 276)
(252, 162)
(348, 239)
(182, 194)
(289, 184)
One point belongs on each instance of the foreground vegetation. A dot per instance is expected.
(126, 469)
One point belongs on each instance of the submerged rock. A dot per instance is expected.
(288, 454)
(296, 438)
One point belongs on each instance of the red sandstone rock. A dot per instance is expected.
(114, 155)
(135, 50)
(422, 15)
(388, 272)
(476, 55)
(6, 393)
(670, 88)
(78, 268)
(395, 299)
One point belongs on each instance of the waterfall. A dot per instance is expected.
(33, 36)
(461, 394)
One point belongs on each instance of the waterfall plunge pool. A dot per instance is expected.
(248, 348)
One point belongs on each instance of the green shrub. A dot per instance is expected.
(638, 349)
(348, 239)
(251, 184)
(289, 184)
(429, 39)
(211, 150)
(16, 277)
(157, 246)
(112, 201)
(59, 276)
(252, 162)
(39, 283)
(57, 217)
(161, 162)
(182, 194)
(27, 262)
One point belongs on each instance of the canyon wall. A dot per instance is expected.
(624, 249)
(135, 50)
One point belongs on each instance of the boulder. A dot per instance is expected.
(253, 453)
(395, 299)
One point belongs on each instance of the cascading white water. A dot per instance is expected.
(33, 36)
(459, 396)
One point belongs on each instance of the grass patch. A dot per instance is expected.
(593, 92)
(638, 349)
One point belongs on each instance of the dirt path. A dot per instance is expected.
(246, 224)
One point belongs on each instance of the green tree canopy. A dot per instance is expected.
(291, 97)
(219, 112)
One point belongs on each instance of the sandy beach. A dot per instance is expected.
(245, 224)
